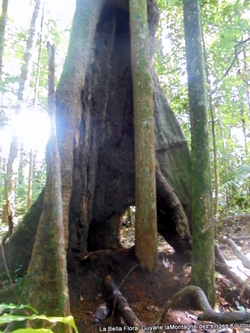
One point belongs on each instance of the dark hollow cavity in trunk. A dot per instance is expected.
(103, 174)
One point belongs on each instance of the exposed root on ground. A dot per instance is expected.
(116, 300)
(208, 313)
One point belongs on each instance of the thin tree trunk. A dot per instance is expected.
(24, 81)
(145, 183)
(31, 163)
(7, 182)
(10, 181)
(39, 61)
(243, 125)
(246, 78)
(3, 21)
(31, 168)
(248, 101)
(211, 108)
(202, 244)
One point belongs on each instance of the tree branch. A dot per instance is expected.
(233, 61)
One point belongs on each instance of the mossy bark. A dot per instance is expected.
(202, 243)
(145, 189)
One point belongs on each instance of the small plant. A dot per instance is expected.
(6, 317)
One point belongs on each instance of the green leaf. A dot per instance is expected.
(4, 306)
(6, 318)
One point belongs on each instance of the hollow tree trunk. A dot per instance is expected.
(96, 137)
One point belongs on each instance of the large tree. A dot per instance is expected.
(94, 110)
(94, 103)
(96, 136)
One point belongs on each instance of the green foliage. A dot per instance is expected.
(226, 32)
(170, 60)
(7, 318)
(236, 176)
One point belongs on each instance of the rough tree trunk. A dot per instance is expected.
(96, 136)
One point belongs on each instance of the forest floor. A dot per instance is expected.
(147, 293)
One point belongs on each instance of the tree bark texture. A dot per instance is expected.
(73, 126)
(94, 110)
(145, 183)
(202, 243)
(96, 132)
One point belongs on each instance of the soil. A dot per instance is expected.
(145, 292)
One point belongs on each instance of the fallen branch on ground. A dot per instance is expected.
(238, 253)
(122, 306)
(223, 268)
(237, 239)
